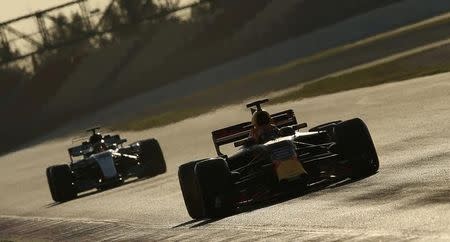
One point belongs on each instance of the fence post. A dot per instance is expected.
(43, 29)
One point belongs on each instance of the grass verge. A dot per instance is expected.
(419, 65)
(430, 61)
(162, 119)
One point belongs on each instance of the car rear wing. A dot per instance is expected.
(111, 140)
(80, 150)
(87, 148)
(241, 131)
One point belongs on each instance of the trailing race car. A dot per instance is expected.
(289, 163)
(104, 163)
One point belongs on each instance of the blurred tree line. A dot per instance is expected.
(73, 35)
(10, 74)
(70, 38)
(217, 20)
(125, 18)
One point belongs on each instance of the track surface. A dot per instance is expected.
(408, 199)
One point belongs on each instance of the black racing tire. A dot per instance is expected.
(190, 189)
(355, 144)
(60, 182)
(151, 158)
(214, 179)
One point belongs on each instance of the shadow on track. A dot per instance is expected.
(438, 197)
(406, 195)
(274, 201)
(195, 223)
(96, 191)
(54, 204)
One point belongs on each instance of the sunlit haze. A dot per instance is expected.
(16, 8)
(13, 9)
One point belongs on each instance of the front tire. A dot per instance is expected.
(206, 187)
(60, 182)
(190, 189)
(151, 158)
(214, 178)
(355, 144)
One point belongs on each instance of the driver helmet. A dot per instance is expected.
(100, 146)
(261, 118)
(95, 138)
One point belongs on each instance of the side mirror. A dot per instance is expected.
(299, 126)
(287, 131)
(244, 142)
(290, 130)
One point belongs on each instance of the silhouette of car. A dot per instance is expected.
(288, 164)
(103, 162)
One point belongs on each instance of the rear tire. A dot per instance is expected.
(60, 182)
(214, 178)
(355, 144)
(152, 159)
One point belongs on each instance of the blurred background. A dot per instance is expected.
(61, 61)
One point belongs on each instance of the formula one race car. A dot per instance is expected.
(105, 163)
(289, 163)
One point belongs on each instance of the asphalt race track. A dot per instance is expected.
(408, 199)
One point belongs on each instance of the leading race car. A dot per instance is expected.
(286, 164)
(104, 163)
